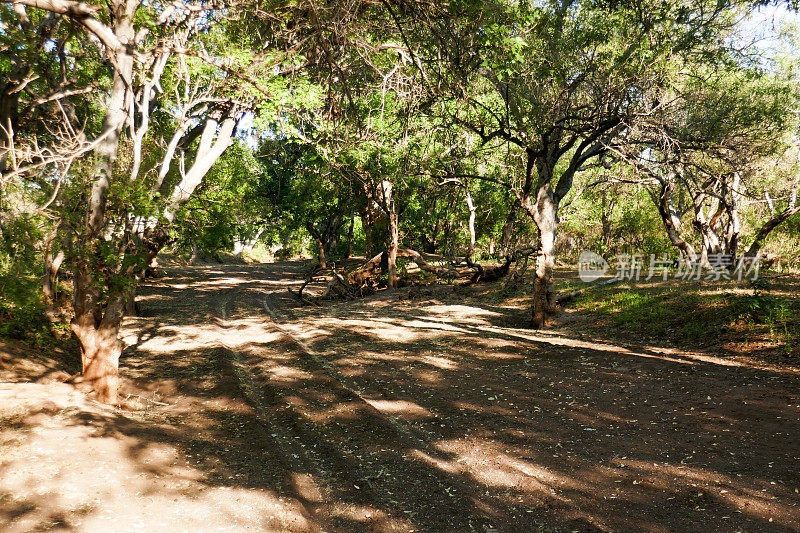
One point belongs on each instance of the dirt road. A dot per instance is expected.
(420, 410)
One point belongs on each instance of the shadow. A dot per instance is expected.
(184, 450)
(590, 435)
(431, 415)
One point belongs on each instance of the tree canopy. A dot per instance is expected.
(384, 128)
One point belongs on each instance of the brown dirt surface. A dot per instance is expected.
(421, 409)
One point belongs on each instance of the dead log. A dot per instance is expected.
(488, 274)
(439, 272)
(366, 272)
(364, 279)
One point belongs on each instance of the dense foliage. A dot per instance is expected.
(462, 129)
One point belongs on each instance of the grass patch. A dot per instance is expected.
(700, 315)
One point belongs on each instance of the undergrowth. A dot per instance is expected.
(22, 311)
(694, 314)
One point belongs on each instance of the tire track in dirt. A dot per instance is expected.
(312, 485)
(416, 439)
(666, 373)
(403, 429)
(524, 466)
(375, 453)
(495, 512)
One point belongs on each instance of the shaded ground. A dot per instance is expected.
(423, 409)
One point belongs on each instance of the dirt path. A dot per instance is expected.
(408, 411)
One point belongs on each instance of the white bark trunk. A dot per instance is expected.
(207, 154)
(471, 226)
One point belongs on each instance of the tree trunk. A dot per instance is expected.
(369, 249)
(321, 252)
(375, 230)
(606, 220)
(394, 243)
(508, 229)
(350, 236)
(96, 324)
(734, 224)
(51, 267)
(392, 251)
(705, 228)
(131, 309)
(544, 212)
(672, 221)
(100, 351)
(195, 253)
(471, 223)
(52, 264)
(766, 229)
(547, 223)
(325, 238)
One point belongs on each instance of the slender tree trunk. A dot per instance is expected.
(195, 253)
(471, 223)
(52, 264)
(734, 224)
(394, 243)
(9, 101)
(766, 229)
(131, 309)
(705, 228)
(508, 229)
(330, 236)
(429, 243)
(350, 236)
(606, 219)
(366, 223)
(322, 248)
(323, 263)
(375, 230)
(394, 233)
(672, 221)
(606, 238)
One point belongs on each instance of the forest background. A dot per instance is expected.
(439, 134)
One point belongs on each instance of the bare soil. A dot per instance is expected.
(421, 409)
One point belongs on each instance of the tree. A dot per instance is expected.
(558, 83)
(164, 114)
(701, 152)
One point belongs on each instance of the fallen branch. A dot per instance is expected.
(313, 271)
(364, 279)
(439, 272)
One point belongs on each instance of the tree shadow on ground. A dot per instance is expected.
(621, 436)
(437, 417)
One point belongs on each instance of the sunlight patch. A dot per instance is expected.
(401, 407)
(439, 362)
